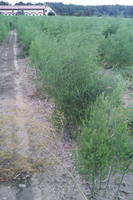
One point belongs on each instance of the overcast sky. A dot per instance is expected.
(81, 2)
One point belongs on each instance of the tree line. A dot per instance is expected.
(79, 10)
(102, 10)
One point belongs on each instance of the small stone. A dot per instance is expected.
(4, 198)
(22, 186)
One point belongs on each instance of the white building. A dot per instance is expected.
(26, 10)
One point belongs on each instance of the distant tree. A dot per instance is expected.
(79, 13)
(87, 13)
(103, 10)
(29, 4)
(3, 3)
(51, 13)
(20, 12)
(20, 3)
(39, 4)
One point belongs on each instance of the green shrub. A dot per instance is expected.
(111, 29)
(4, 26)
(117, 49)
(104, 141)
(70, 72)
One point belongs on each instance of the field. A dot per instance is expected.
(85, 65)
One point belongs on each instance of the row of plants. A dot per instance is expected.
(69, 53)
(5, 25)
(65, 52)
(116, 46)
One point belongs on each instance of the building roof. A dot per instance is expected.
(23, 7)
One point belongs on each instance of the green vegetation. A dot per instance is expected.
(105, 144)
(70, 55)
(5, 23)
(117, 46)
(80, 10)
(98, 10)
(65, 52)
(28, 30)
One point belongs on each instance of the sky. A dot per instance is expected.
(80, 2)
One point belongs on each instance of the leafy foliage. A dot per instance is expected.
(4, 26)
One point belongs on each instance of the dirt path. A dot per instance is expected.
(29, 145)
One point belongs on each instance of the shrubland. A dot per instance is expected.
(69, 54)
